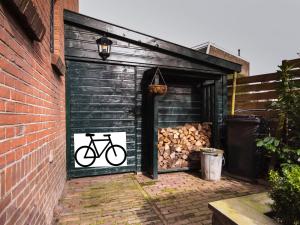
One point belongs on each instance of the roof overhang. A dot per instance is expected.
(148, 41)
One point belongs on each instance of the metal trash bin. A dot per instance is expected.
(211, 164)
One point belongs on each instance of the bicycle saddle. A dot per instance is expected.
(89, 135)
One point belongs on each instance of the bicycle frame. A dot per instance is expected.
(95, 147)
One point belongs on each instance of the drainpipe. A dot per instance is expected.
(233, 93)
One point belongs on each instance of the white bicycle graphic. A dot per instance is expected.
(85, 156)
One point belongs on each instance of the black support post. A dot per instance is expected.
(155, 130)
(217, 98)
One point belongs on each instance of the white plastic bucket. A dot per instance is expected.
(211, 164)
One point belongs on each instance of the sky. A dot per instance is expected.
(266, 31)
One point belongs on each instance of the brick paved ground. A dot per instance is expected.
(177, 198)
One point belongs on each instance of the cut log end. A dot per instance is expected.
(179, 146)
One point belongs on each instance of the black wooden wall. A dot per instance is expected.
(182, 104)
(110, 96)
(102, 98)
(81, 43)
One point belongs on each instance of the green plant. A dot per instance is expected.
(285, 145)
(285, 191)
(269, 143)
(273, 146)
(287, 106)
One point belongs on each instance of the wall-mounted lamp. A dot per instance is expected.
(104, 47)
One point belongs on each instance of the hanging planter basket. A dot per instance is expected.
(158, 89)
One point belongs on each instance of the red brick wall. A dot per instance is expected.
(59, 28)
(32, 120)
(72, 5)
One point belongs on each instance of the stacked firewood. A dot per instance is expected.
(178, 147)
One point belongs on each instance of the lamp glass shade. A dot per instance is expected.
(104, 47)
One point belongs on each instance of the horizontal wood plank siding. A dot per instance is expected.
(254, 94)
(181, 104)
(140, 145)
(81, 43)
(262, 78)
(112, 95)
(155, 44)
(102, 99)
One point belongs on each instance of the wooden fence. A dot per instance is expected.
(255, 93)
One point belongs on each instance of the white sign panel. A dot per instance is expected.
(100, 149)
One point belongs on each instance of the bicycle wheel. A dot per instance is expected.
(80, 156)
(117, 157)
